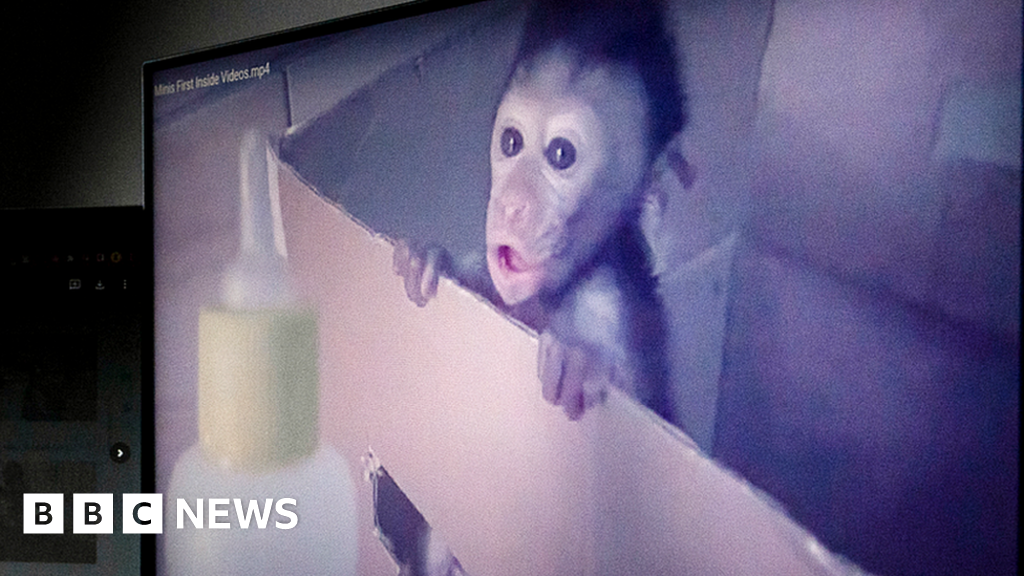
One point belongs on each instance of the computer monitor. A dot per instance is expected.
(833, 238)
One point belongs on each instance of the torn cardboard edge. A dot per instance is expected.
(407, 536)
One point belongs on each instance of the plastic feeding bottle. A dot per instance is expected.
(259, 494)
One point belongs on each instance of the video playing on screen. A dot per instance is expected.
(595, 287)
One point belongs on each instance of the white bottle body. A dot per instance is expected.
(323, 540)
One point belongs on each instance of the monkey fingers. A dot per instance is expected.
(419, 269)
(551, 356)
(430, 274)
(572, 398)
(599, 377)
(571, 377)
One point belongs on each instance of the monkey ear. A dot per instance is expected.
(669, 172)
(653, 212)
(655, 200)
(655, 197)
(674, 161)
(671, 162)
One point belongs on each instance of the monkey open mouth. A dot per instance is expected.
(511, 261)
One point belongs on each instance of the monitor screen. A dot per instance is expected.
(591, 287)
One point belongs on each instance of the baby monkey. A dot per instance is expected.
(591, 102)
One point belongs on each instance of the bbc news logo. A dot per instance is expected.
(93, 514)
(143, 513)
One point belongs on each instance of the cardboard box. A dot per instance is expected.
(448, 399)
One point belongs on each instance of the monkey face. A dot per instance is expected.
(568, 156)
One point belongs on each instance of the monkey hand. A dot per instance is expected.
(420, 268)
(573, 377)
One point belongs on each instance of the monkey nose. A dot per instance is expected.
(520, 196)
(512, 208)
(514, 211)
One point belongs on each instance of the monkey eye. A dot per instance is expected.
(511, 142)
(560, 153)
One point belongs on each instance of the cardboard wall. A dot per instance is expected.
(871, 373)
(448, 399)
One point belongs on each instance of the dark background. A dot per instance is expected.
(72, 86)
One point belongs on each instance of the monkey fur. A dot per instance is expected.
(592, 99)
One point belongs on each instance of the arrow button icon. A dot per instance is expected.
(120, 453)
